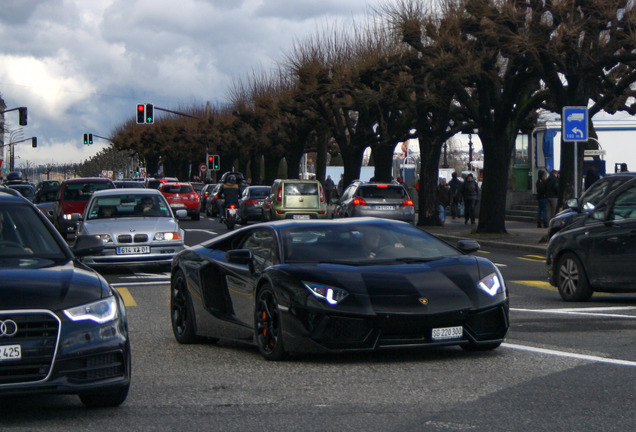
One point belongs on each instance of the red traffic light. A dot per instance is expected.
(141, 113)
(210, 159)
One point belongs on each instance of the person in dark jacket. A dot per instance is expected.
(470, 193)
(590, 178)
(230, 192)
(444, 199)
(552, 193)
(456, 195)
(542, 213)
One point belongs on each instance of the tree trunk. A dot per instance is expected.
(383, 162)
(428, 213)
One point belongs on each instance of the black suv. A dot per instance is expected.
(588, 201)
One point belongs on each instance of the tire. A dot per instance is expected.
(106, 398)
(571, 279)
(268, 331)
(181, 311)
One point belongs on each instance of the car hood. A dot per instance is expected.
(48, 284)
(148, 225)
(446, 284)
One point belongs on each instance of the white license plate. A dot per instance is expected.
(447, 333)
(10, 352)
(128, 250)
(384, 207)
(231, 212)
(301, 217)
(177, 205)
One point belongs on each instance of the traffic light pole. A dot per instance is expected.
(34, 143)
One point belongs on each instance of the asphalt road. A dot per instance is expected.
(563, 367)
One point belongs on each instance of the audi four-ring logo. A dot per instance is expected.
(8, 328)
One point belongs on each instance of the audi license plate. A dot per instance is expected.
(447, 333)
(10, 352)
(384, 207)
(130, 250)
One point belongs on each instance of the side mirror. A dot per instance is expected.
(572, 203)
(87, 245)
(239, 256)
(468, 246)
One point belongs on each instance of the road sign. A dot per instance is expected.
(574, 124)
(594, 152)
(203, 168)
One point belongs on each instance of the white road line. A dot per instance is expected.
(570, 355)
(596, 312)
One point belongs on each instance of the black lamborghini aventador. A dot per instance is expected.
(352, 284)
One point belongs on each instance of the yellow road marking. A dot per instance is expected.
(128, 298)
(537, 284)
(531, 259)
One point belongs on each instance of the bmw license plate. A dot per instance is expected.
(384, 207)
(447, 333)
(129, 250)
(10, 352)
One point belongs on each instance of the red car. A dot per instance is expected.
(181, 196)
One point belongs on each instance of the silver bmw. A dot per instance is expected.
(137, 227)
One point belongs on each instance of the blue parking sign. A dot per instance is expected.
(574, 123)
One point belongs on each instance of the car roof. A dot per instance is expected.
(9, 194)
(88, 179)
(127, 191)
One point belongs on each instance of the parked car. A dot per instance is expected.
(251, 203)
(597, 252)
(214, 201)
(182, 196)
(63, 327)
(136, 226)
(295, 199)
(383, 200)
(337, 285)
(71, 201)
(579, 208)
(205, 193)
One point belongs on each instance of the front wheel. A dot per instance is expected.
(181, 315)
(571, 279)
(267, 326)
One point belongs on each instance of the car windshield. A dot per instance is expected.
(258, 192)
(128, 205)
(23, 234)
(301, 189)
(361, 244)
(82, 191)
(382, 191)
(174, 189)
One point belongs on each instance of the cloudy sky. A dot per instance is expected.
(83, 65)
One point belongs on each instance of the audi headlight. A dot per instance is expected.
(330, 294)
(100, 311)
(491, 284)
(167, 236)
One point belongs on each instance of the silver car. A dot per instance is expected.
(381, 200)
(137, 227)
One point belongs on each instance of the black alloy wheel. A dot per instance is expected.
(181, 314)
(267, 328)
(571, 279)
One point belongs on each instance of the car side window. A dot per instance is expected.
(625, 205)
(262, 244)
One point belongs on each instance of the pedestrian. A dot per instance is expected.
(470, 193)
(552, 193)
(542, 213)
(444, 199)
(329, 188)
(340, 186)
(404, 185)
(456, 195)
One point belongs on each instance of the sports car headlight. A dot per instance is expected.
(491, 284)
(100, 311)
(167, 236)
(330, 294)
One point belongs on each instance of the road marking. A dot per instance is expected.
(570, 355)
(535, 283)
(126, 296)
(593, 311)
(532, 259)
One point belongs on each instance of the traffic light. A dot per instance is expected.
(23, 116)
(141, 113)
(216, 162)
(90, 138)
(34, 142)
(150, 113)
(210, 161)
(85, 139)
(137, 171)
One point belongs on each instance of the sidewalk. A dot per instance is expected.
(520, 235)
